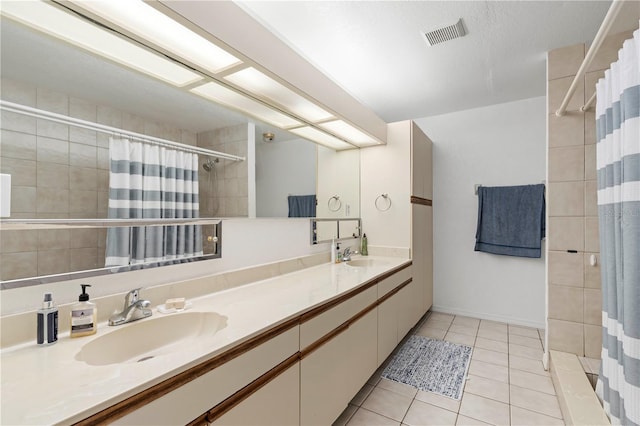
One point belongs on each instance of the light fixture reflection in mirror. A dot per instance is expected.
(59, 171)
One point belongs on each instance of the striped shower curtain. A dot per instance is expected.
(148, 181)
(618, 159)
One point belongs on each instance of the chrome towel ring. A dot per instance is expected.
(337, 203)
(385, 205)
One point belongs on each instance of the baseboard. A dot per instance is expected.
(486, 316)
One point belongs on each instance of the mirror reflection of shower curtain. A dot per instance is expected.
(618, 160)
(148, 181)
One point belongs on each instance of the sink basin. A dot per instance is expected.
(363, 263)
(146, 339)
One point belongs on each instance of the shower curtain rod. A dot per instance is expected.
(114, 131)
(607, 22)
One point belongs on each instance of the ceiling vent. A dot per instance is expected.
(445, 33)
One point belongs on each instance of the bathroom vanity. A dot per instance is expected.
(292, 349)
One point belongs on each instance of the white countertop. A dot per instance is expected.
(47, 385)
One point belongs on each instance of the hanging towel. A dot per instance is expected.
(302, 205)
(511, 220)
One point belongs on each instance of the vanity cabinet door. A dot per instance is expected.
(332, 374)
(275, 404)
(387, 327)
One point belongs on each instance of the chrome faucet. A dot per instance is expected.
(346, 256)
(134, 309)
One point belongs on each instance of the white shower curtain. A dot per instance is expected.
(618, 160)
(149, 181)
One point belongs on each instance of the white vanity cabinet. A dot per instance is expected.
(397, 311)
(303, 371)
(275, 404)
(338, 351)
(198, 396)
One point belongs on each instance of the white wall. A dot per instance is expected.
(283, 168)
(386, 169)
(498, 145)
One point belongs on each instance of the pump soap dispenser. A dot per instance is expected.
(84, 315)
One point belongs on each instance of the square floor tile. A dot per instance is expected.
(487, 388)
(462, 339)
(432, 323)
(400, 388)
(461, 329)
(364, 417)
(489, 371)
(387, 403)
(438, 316)
(525, 341)
(422, 414)
(484, 409)
(439, 400)
(492, 357)
(468, 421)
(466, 321)
(524, 331)
(492, 345)
(520, 416)
(494, 325)
(491, 334)
(535, 401)
(525, 351)
(531, 381)
(527, 364)
(434, 333)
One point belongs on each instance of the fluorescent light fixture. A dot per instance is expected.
(321, 137)
(350, 133)
(49, 19)
(150, 24)
(217, 93)
(258, 83)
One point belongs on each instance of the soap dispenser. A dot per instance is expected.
(84, 315)
(47, 323)
(364, 250)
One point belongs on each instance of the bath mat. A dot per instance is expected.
(431, 365)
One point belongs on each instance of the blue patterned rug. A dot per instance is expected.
(431, 365)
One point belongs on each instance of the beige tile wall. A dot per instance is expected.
(224, 191)
(575, 300)
(59, 171)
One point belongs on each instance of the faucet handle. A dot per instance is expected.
(132, 297)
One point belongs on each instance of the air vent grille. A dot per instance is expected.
(445, 34)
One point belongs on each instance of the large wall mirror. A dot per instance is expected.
(60, 171)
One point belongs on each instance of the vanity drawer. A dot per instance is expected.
(388, 284)
(314, 328)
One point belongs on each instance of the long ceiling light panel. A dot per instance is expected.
(222, 95)
(217, 74)
(51, 20)
(256, 82)
(150, 24)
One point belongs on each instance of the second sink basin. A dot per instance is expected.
(147, 339)
(363, 263)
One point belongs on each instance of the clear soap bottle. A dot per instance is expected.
(84, 315)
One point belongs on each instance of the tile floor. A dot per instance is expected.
(506, 382)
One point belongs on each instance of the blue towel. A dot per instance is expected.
(511, 220)
(302, 205)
